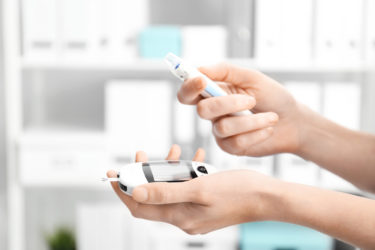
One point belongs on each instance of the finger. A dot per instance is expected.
(149, 212)
(190, 91)
(129, 202)
(153, 212)
(166, 193)
(174, 153)
(234, 125)
(199, 155)
(141, 156)
(239, 144)
(225, 72)
(214, 107)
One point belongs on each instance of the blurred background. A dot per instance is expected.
(83, 86)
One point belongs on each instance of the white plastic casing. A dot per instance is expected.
(185, 71)
(132, 175)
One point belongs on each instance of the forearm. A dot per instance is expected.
(343, 216)
(349, 154)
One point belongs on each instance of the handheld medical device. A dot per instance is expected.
(184, 72)
(135, 174)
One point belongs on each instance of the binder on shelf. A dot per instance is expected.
(184, 117)
(296, 30)
(40, 37)
(122, 22)
(226, 161)
(298, 170)
(268, 30)
(138, 117)
(221, 159)
(279, 37)
(308, 93)
(79, 37)
(342, 103)
(338, 32)
(165, 236)
(370, 33)
(204, 127)
(59, 159)
(262, 165)
(204, 44)
(103, 226)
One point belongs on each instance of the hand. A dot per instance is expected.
(273, 128)
(202, 204)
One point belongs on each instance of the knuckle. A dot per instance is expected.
(235, 145)
(180, 97)
(222, 128)
(203, 110)
(237, 102)
(238, 141)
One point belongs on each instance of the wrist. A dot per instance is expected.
(265, 198)
(312, 129)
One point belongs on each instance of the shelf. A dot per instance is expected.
(141, 65)
(157, 65)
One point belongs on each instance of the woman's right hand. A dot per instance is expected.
(275, 125)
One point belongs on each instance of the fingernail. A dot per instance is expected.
(273, 118)
(141, 194)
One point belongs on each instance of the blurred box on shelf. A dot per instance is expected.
(295, 169)
(308, 93)
(270, 235)
(157, 41)
(138, 117)
(262, 165)
(370, 33)
(82, 30)
(62, 158)
(165, 236)
(40, 35)
(184, 126)
(103, 226)
(110, 226)
(121, 23)
(278, 37)
(342, 103)
(225, 161)
(338, 39)
(204, 44)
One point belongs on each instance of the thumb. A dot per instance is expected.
(165, 193)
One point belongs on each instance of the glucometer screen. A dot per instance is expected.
(170, 171)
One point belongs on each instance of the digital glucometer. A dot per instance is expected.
(135, 174)
(184, 71)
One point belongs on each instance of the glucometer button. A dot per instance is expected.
(123, 187)
(202, 169)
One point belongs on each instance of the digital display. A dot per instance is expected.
(171, 171)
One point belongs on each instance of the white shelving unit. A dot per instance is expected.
(12, 76)
(15, 66)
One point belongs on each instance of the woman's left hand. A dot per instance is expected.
(206, 203)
